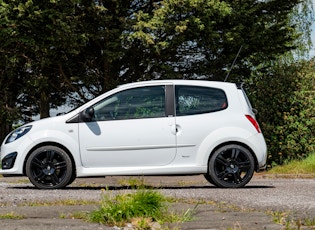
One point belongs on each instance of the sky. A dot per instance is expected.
(312, 53)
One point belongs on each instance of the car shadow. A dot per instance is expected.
(123, 187)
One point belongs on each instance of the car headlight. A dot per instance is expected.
(19, 132)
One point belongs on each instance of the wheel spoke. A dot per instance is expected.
(60, 165)
(244, 165)
(50, 156)
(237, 177)
(54, 179)
(235, 153)
(40, 176)
(223, 174)
(220, 159)
(37, 163)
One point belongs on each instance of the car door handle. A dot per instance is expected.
(175, 129)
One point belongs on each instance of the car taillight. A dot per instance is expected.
(254, 122)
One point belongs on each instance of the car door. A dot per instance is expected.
(129, 128)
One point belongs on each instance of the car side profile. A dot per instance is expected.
(162, 127)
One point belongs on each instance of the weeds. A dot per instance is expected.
(11, 215)
(134, 183)
(289, 222)
(141, 208)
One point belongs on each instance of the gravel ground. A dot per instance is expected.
(243, 208)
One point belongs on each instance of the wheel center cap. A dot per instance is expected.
(49, 170)
(233, 168)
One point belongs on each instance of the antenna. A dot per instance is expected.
(228, 74)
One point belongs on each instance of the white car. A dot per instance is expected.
(163, 127)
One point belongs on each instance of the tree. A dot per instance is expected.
(34, 33)
(201, 38)
(285, 96)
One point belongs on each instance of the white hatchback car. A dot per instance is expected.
(164, 127)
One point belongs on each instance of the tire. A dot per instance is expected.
(208, 178)
(73, 177)
(231, 166)
(49, 167)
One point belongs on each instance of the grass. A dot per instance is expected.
(11, 215)
(296, 167)
(141, 209)
(133, 182)
(288, 222)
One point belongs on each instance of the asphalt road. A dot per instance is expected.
(245, 207)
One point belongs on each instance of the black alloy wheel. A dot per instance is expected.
(49, 167)
(231, 166)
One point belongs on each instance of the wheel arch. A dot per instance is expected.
(236, 143)
(52, 144)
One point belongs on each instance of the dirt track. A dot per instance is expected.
(226, 209)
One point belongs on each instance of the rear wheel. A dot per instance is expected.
(231, 166)
(49, 167)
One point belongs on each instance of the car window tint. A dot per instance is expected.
(143, 102)
(192, 100)
(247, 100)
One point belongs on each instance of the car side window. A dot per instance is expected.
(192, 100)
(142, 102)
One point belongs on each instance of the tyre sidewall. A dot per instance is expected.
(69, 170)
(223, 184)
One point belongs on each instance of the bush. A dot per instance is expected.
(285, 99)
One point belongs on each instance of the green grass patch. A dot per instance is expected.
(141, 209)
(11, 215)
(296, 167)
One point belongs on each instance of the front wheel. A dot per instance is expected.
(231, 166)
(49, 167)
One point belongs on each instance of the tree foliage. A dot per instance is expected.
(201, 38)
(55, 52)
(285, 97)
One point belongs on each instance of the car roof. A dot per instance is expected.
(179, 82)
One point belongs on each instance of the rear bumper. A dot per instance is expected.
(261, 168)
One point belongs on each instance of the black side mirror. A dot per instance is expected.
(255, 111)
(87, 114)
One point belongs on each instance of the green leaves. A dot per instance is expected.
(285, 98)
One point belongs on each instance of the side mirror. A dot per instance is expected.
(87, 114)
(255, 111)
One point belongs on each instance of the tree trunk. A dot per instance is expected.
(5, 128)
(44, 105)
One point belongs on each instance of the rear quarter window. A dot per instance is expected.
(247, 99)
(191, 100)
